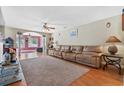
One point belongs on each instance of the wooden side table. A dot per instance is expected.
(114, 60)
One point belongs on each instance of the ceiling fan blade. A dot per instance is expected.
(51, 27)
(47, 28)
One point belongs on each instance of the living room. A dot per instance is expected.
(58, 49)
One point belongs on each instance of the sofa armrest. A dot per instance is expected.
(97, 55)
(98, 59)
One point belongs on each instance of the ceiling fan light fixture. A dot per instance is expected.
(47, 28)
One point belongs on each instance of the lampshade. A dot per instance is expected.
(113, 39)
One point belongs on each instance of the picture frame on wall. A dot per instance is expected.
(74, 33)
(108, 24)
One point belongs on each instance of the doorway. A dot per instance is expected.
(28, 43)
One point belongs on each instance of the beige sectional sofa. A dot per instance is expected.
(88, 55)
(91, 56)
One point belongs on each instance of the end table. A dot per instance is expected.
(114, 60)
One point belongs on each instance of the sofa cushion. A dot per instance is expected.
(96, 49)
(77, 49)
(57, 48)
(62, 48)
(65, 49)
(91, 53)
(84, 58)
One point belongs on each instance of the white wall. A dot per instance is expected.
(2, 30)
(1, 18)
(1, 22)
(92, 34)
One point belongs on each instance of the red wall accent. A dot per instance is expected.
(26, 42)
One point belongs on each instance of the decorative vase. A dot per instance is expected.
(112, 50)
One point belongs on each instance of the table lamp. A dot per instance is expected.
(112, 40)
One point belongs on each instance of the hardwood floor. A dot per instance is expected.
(95, 77)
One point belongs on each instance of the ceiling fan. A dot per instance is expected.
(46, 27)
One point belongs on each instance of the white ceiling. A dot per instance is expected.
(33, 17)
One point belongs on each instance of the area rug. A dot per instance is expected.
(50, 71)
